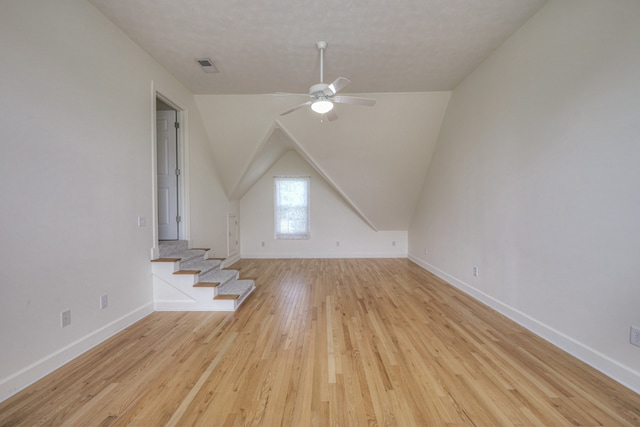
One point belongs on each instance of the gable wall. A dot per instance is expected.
(375, 156)
(336, 230)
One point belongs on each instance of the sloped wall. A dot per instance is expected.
(377, 156)
(534, 180)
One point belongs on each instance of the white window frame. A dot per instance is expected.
(280, 211)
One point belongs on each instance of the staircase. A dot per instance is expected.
(186, 280)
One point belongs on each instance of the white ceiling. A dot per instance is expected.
(406, 54)
(269, 46)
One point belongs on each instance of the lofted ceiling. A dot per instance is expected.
(407, 54)
(375, 158)
(264, 47)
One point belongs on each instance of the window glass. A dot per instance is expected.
(291, 207)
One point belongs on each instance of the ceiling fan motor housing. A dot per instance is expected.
(317, 89)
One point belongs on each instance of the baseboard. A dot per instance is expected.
(230, 261)
(187, 306)
(289, 255)
(608, 366)
(36, 371)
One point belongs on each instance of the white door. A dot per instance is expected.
(232, 226)
(168, 173)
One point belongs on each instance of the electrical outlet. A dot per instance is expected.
(142, 221)
(65, 318)
(104, 302)
(635, 336)
(475, 271)
(426, 252)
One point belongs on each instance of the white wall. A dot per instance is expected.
(535, 180)
(332, 220)
(208, 203)
(376, 156)
(76, 171)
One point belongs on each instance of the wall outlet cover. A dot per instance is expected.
(635, 336)
(65, 318)
(104, 302)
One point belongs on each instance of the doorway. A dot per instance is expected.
(168, 171)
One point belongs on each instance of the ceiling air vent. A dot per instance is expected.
(207, 65)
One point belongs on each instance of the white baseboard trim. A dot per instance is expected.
(290, 255)
(36, 371)
(189, 306)
(603, 363)
(230, 261)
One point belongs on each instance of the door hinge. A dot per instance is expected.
(178, 219)
(177, 171)
(177, 125)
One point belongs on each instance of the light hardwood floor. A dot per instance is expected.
(328, 343)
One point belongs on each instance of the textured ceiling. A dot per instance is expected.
(269, 46)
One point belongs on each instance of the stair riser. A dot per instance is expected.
(170, 247)
(225, 305)
(165, 290)
(166, 270)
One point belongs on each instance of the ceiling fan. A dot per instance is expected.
(324, 95)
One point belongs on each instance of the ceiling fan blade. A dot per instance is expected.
(289, 93)
(354, 100)
(337, 85)
(297, 107)
(331, 115)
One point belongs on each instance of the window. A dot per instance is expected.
(291, 207)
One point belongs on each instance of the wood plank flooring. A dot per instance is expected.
(328, 342)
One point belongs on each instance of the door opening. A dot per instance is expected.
(168, 171)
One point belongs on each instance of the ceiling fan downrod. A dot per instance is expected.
(324, 95)
(322, 46)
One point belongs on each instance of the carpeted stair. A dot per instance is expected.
(186, 280)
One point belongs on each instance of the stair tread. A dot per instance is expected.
(201, 262)
(205, 266)
(236, 287)
(165, 260)
(227, 296)
(189, 254)
(219, 276)
(206, 285)
(186, 272)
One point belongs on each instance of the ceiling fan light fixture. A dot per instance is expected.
(322, 106)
